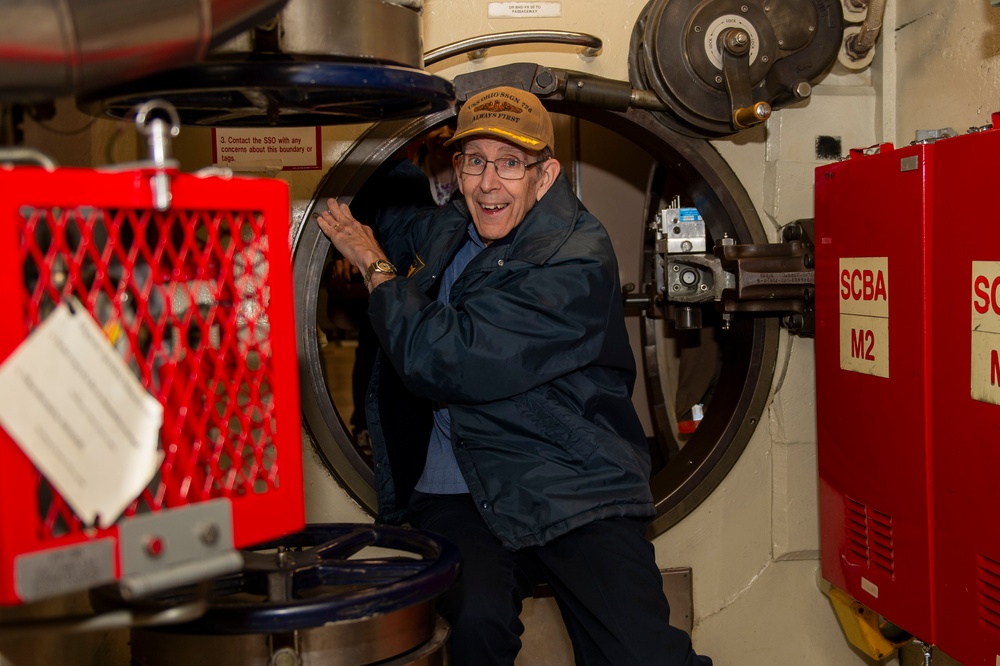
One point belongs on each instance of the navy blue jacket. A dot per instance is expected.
(532, 358)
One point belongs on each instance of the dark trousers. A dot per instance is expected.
(604, 577)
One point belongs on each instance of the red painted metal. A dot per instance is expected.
(198, 300)
(912, 457)
(965, 435)
(873, 431)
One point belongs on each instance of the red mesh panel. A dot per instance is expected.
(197, 300)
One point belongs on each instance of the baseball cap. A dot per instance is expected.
(506, 113)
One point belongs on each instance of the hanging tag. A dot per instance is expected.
(81, 416)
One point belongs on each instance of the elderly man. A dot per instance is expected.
(500, 411)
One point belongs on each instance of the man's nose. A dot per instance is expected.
(490, 179)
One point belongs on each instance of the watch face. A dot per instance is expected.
(378, 266)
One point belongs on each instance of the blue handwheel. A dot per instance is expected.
(281, 94)
(312, 577)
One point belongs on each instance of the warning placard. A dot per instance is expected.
(524, 10)
(985, 375)
(864, 315)
(285, 148)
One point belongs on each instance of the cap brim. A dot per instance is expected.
(501, 133)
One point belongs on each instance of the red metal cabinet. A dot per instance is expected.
(908, 499)
(872, 366)
(966, 396)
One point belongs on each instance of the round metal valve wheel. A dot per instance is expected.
(314, 577)
(315, 63)
(676, 52)
(281, 94)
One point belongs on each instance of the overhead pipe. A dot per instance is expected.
(858, 42)
(477, 46)
(53, 48)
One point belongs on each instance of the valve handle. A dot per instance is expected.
(735, 47)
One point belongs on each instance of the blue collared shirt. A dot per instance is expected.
(441, 475)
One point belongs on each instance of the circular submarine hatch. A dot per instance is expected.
(723, 373)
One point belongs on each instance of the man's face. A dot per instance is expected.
(498, 205)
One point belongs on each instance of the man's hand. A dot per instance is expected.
(355, 241)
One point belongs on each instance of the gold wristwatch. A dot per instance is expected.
(379, 266)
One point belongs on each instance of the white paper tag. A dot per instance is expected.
(81, 416)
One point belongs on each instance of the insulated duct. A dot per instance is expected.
(859, 41)
(52, 48)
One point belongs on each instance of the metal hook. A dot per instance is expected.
(158, 132)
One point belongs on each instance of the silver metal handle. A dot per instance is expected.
(591, 45)
(136, 586)
(19, 155)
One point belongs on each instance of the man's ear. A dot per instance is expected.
(550, 171)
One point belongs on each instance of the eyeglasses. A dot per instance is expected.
(508, 168)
